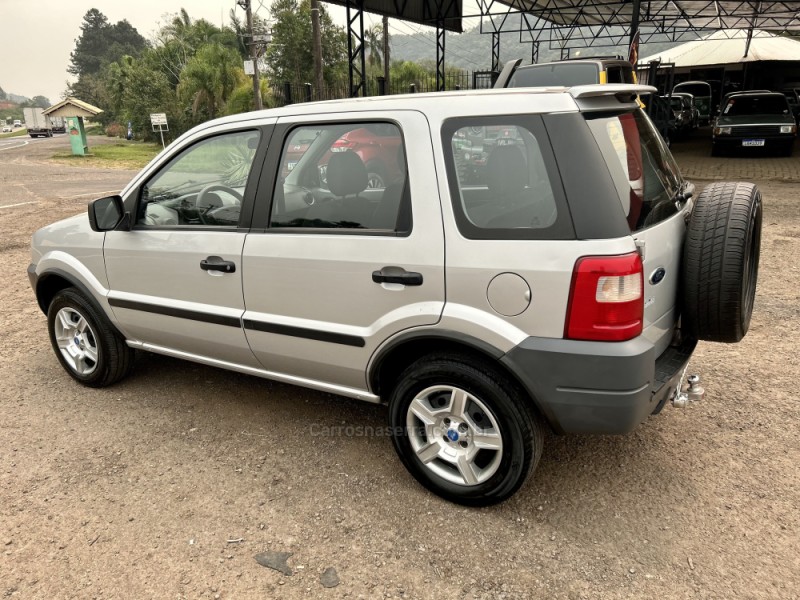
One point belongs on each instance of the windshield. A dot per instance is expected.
(696, 89)
(644, 172)
(566, 75)
(756, 105)
(676, 103)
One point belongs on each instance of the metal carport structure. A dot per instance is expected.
(569, 23)
(585, 23)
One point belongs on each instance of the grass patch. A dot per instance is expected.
(15, 133)
(118, 155)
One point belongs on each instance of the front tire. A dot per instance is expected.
(85, 342)
(463, 430)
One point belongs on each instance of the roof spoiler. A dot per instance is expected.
(506, 73)
(624, 92)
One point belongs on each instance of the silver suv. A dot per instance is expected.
(563, 284)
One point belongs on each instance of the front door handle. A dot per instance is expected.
(397, 275)
(216, 263)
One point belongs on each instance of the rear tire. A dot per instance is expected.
(720, 262)
(85, 342)
(463, 430)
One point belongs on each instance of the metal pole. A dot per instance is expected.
(635, 15)
(386, 48)
(253, 55)
(161, 131)
(317, 45)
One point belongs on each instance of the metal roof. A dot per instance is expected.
(729, 47)
(445, 13)
(576, 23)
(683, 14)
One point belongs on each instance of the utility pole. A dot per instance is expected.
(245, 4)
(386, 50)
(317, 46)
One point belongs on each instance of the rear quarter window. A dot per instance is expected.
(503, 180)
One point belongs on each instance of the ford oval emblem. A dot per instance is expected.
(658, 275)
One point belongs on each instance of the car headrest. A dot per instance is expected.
(506, 171)
(346, 174)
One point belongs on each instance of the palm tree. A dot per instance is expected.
(209, 78)
(373, 43)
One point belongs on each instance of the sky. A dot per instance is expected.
(36, 37)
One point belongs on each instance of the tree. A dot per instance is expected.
(209, 78)
(179, 40)
(101, 43)
(40, 102)
(90, 45)
(373, 42)
(134, 90)
(289, 56)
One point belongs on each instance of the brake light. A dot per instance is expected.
(606, 299)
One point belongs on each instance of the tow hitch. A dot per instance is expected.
(693, 393)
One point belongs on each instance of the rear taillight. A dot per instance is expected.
(606, 300)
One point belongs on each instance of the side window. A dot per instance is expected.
(503, 187)
(203, 185)
(343, 176)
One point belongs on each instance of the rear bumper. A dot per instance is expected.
(597, 387)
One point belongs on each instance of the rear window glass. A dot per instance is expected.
(756, 105)
(619, 74)
(566, 75)
(502, 180)
(644, 172)
(696, 89)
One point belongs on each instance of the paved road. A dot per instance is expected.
(28, 176)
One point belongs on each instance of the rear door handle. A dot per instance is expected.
(216, 263)
(397, 275)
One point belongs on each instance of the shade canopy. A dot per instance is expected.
(728, 47)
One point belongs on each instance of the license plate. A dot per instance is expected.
(292, 165)
(752, 142)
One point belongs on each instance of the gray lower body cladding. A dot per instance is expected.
(597, 387)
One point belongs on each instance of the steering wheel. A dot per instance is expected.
(203, 206)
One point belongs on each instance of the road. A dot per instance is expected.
(168, 484)
(27, 175)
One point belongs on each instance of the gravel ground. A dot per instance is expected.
(168, 484)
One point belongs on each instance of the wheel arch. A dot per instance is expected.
(51, 282)
(393, 358)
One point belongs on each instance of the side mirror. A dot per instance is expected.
(107, 213)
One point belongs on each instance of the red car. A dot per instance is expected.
(378, 152)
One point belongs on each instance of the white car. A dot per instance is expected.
(564, 284)
(6, 128)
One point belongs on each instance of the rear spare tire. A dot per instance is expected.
(720, 262)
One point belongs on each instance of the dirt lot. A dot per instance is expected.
(167, 485)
